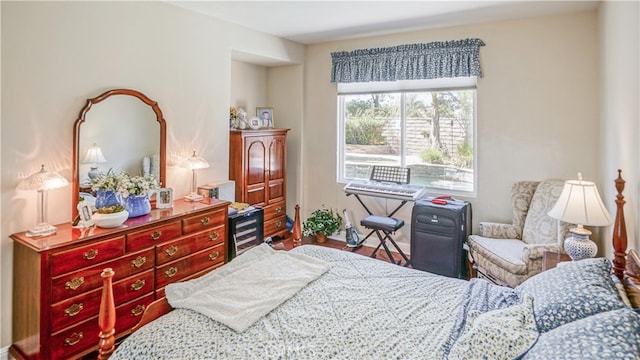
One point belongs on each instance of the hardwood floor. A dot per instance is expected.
(287, 244)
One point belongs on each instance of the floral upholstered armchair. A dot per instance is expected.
(510, 253)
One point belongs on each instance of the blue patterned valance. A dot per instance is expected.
(442, 59)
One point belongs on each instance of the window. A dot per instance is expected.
(430, 130)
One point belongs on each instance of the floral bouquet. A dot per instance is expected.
(137, 185)
(110, 181)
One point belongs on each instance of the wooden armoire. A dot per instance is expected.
(257, 164)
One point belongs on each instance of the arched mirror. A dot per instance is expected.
(123, 130)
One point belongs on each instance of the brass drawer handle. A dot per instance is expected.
(279, 209)
(156, 235)
(205, 220)
(138, 284)
(73, 310)
(74, 283)
(214, 255)
(91, 254)
(171, 250)
(214, 236)
(279, 224)
(138, 310)
(139, 261)
(171, 272)
(73, 339)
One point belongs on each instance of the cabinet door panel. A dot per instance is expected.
(277, 158)
(256, 154)
(256, 196)
(276, 191)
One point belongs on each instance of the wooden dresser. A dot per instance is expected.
(257, 164)
(57, 283)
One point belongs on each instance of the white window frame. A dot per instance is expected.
(404, 87)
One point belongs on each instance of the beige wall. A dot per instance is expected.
(285, 90)
(55, 55)
(619, 36)
(248, 86)
(537, 110)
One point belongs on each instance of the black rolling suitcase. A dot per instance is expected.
(439, 228)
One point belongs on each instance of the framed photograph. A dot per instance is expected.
(255, 123)
(84, 212)
(165, 198)
(265, 114)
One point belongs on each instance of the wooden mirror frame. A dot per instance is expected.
(76, 138)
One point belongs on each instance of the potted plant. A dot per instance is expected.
(136, 190)
(107, 187)
(321, 223)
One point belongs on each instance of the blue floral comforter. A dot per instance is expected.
(361, 308)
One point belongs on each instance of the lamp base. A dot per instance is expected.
(41, 230)
(193, 197)
(579, 246)
(93, 173)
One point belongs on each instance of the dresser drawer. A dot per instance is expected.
(204, 221)
(174, 250)
(87, 279)
(84, 336)
(74, 310)
(275, 210)
(66, 261)
(129, 314)
(68, 312)
(70, 342)
(133, 287)
(275, 225)
(180, 269)
(156, 235)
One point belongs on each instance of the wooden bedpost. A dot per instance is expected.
(107, 316)
(297, 232)
(619, 231)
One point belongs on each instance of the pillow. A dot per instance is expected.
(498, 334)
(608, 335)
(571, 292)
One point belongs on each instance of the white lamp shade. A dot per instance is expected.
(195, 162)
(580, 203)
(94, 155)
(43, 180)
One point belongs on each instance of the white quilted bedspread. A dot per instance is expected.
(361, 308)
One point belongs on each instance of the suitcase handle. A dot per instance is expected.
(441, 199)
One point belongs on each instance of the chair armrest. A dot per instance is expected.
(500, 231)
(535, 251)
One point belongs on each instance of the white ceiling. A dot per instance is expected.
(309, 22)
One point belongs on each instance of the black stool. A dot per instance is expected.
(387, 225)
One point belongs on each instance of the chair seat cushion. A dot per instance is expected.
(382, 223)
(505, 253)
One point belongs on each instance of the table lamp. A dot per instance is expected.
(42, 181)
(94, 156)
(194, 163)
(580, 204)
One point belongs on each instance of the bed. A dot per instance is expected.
(363, 308)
